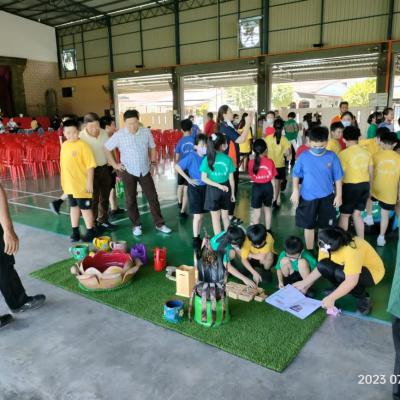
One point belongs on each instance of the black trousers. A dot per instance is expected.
(10, 284)
(334, 273)
(231, 210)
(396, 341)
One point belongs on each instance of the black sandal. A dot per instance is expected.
(5, 320)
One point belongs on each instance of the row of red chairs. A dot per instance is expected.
(166, 142)
(29, 155)
(25, 122)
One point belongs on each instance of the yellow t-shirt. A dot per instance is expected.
(34, 124)
(370, 144)
(355, 256)
(277, 151)
(245, 147)
(247, 247)
(334, 145)
(355, 161)
(75, 160)
(386, 176)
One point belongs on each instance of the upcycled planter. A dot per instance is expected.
(119, 245)
(79, 251)
(139, 251)
(173, 311)
(185, 280)
(105, 271)
(218, 320)
(160, 258)
(102, 243)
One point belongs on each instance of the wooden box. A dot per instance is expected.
(185, 280)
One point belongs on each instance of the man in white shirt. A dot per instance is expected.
(133, 143)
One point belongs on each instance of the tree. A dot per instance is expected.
(282, 95)
(358, 93)
(241, 97)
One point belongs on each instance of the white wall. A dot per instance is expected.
(23, 38)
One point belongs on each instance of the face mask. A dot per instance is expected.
(270, 121)
(346, 123)
(317, 150)
(202, 150)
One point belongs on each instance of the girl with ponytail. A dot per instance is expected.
(351, 265)
(217, 173)
(262, 172)
(278, 149)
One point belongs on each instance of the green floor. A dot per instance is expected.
(29, 205)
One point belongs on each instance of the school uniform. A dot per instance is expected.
(216, 199)
(196, 194)
(262, 192)
(355, 161)
(276, 152)
(319, 173)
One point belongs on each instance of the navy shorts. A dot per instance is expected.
(385, 206)
(197, 198)
(216, 199)
(83, 204)
(262, 194)
(281, 173)
(182, 180)
(354, 197)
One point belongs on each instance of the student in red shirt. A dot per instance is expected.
(262, 172)
(209, 127)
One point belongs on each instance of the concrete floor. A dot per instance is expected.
(77, 349)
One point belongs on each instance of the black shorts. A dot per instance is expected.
(83, 204)
(281, 173)
(197, 198)
(318, 213)
(182, 180)
(216, 199)
(262, 194)
(355, 197)
(113, 175)
(385, 206)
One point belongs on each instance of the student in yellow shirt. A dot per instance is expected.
(350, 263)
(358, 171)
(245, 148)
(385, 186)
(77, 171)
(258, 248)
(336, 135)
(278, 148)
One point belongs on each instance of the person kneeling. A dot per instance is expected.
(350, 263)
(294, 263)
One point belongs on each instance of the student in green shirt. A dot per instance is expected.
(294, 263)
(217, 170)
(292, 128)
(373, 120)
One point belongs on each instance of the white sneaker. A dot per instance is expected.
(164, 229)
(369, 220)
(137, 231)
(380, 241)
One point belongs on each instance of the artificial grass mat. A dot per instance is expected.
(257, 332)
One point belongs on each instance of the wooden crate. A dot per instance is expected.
(242, 292)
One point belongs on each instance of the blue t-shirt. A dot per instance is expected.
(185, 146)
(319, 174)
(191, 163)
(386, 125)
(195, 129)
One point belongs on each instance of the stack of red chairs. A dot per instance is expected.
(34, 159)
(159, 142)
(52, 158)
(13, 161)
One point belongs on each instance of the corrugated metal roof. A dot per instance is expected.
(60, 12)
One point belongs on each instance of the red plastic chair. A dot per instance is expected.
(13, 161)
(52, 158)
(34, 158)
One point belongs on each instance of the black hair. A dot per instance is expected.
(190, 116)
(335, 238)
(271, 112)
(210, 115)
(388, 137)
(342, 103)
(381, 130)
(71, 122)
(348, 113)
(234, 235)
(319, 134)
(201, 137)
(106, 120)
(214, 143)
(91, 117)
(278, 126)
(256, 234)
(293, 245)
(131, 114)
(259, 147)
(377, 115)
(186, 125)
(221, 111)
(242, 121)
(33, 118)
(235, 115)
(292, 115)
(336, 125)
(386, 111)
(351, 133)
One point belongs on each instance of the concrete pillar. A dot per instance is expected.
(264, 86)
(177, 99)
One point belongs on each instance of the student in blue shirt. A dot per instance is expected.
(195, 129)
(182, 149)
(316, 201)
(196, 187)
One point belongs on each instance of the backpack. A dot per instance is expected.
(211, 282)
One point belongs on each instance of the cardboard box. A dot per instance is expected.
(185, 280)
